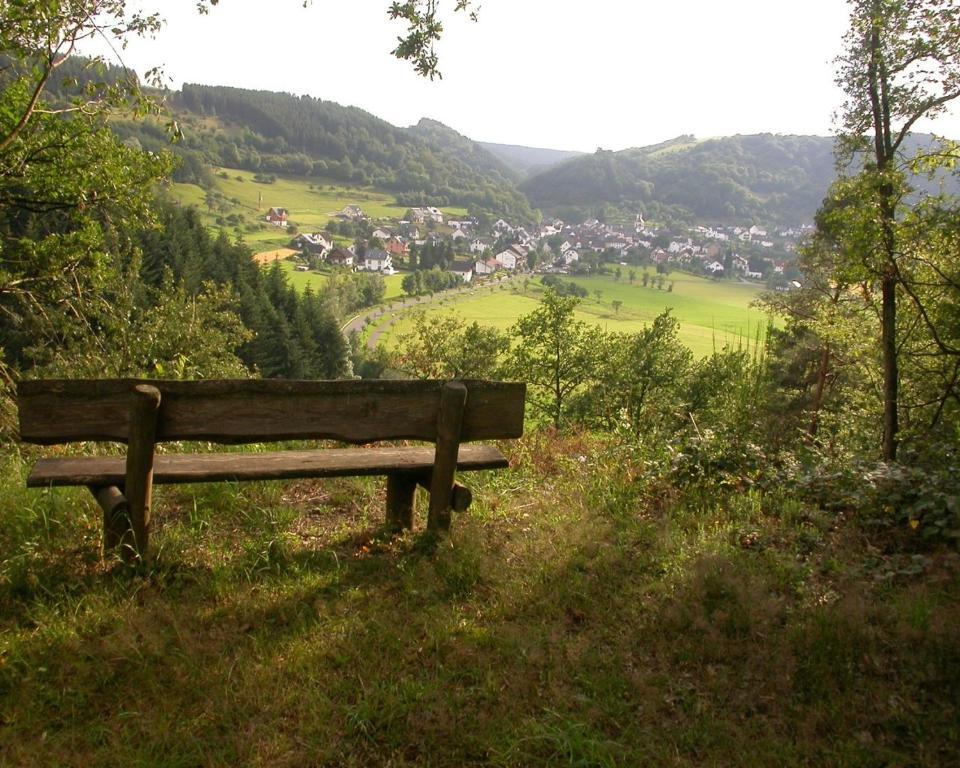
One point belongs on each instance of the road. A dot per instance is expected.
(398, 306)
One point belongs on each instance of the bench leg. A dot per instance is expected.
(116, 517)
(453, 398)
(401, 494)
(144, 409)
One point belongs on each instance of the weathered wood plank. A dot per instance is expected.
(138, 488)
(449, 428)
(276, 465)
(239, 411)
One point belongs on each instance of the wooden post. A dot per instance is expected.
(401, 495)
(142, 435)
(116, 516)
(449, 421)
(460, 498)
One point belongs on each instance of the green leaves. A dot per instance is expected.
(424, 30)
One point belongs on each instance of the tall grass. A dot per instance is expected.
(579, 614)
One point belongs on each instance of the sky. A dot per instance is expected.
(563, 74)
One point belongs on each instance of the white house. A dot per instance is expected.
(465, 271)
(354, 212)
(714, 267)
(478, 246)
(423, 215)
(507, 259)
(376, 260)
(487, 267)
(312, 243)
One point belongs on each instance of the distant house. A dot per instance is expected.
(376, 260)
(507, 259)
(381, 234)
(314, 243)
(487, 267)
(478, 245)
(340, 257)
(395, 246)
(570, 256)
(464, 270)
(423, 215)
(750, 275)
(353, 212)
(714, 267)
(277, 216)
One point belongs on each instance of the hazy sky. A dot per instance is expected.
(567, 74)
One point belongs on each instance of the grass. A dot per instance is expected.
(573, 618)
(311, 203)
(711, 313)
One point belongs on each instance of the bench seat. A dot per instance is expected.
(96, 471)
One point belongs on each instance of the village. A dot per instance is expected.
(426, 238)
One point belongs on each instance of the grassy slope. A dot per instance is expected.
(711, 313)
(570, 620)
(309, 208)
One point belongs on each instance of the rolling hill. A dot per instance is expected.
(765, 178)
(528, 161)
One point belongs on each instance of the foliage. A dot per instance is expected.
(901, 65)
(424, 28)
(564, 287)
(430, 281)
(446, 347)
(638, 383)
(288, 334)
(554, 354)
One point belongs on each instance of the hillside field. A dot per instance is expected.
(311, 203)
(712, 314)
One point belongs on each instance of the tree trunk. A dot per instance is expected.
(888, 322)
(822, 370)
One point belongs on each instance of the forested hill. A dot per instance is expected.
(281, 133)
(527, 161)
(444, 138)
(765, 178)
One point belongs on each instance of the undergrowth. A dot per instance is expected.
(584, 612)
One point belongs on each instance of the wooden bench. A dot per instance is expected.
(142, 413)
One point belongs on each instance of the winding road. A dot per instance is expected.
(398, 306)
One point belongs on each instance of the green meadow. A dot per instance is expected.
(712, 314)
(311, 203)
(316, 280)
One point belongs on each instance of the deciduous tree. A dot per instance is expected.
(901, 65)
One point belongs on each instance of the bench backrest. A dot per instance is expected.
(263, 410)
